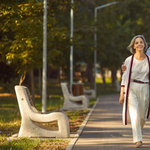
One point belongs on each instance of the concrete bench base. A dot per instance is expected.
(73, 102)
(90, 93)
(30, 115)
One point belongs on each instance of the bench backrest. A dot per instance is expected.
(24, 98)
(65, 89)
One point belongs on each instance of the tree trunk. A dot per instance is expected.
(113, 76)
(22, 78)
(58, 76)
(90, 73)
(103, 75)
(32, 86)
(49, 70)
(40, 79)
(68, 76)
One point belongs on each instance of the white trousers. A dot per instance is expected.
(137, 104)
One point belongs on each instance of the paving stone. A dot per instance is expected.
(105, 131)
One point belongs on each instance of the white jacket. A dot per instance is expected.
(126, 77)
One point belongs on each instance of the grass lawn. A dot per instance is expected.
(10, 119)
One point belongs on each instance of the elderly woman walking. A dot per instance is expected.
(134, 95)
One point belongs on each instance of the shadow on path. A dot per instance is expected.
(104, 130)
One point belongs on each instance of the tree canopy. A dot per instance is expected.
(21, 31)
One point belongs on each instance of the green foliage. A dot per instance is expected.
(83, 32)
(106, 89)
(74, 115)
(23, 144)
(21, 31)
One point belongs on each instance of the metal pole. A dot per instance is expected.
(44, 77)
(95, 38)
(71, 47)
(95, 45)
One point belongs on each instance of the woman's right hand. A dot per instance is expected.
(123, 68)
(121, 99)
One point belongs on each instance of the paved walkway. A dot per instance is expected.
(104, 129)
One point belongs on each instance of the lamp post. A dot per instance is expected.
(44, 77)
(95, 37)
(71, 47)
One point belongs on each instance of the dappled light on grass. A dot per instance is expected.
(52, 144)
(21, 144)
(48, 126)
(105, 89)
(9, 128)
(76, 118)
(53, 103)
(10, 118)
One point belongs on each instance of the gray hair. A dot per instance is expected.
(130, 47)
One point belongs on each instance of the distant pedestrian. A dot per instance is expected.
(134, 95)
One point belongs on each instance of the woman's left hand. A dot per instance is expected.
(121, 99)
